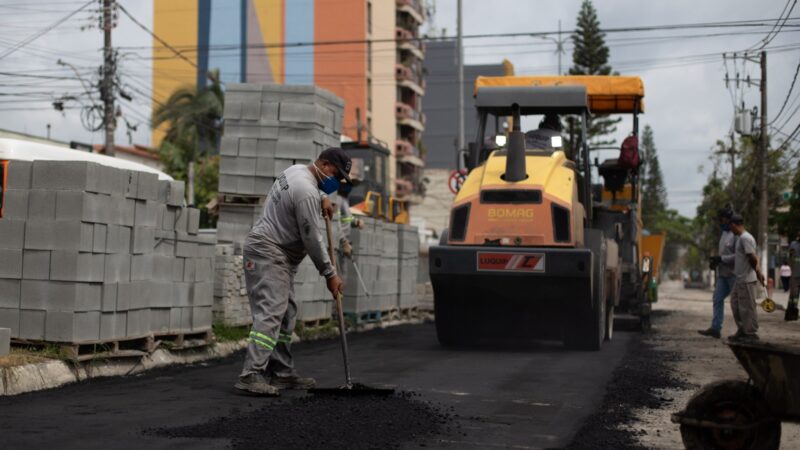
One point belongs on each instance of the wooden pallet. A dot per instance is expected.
(368, 317)
(410, 313)
(317, 323)
(242, 199)
(186, 340)
(85, 351)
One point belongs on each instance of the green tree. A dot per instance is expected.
(654, 193)
(590, 57)
(192, 117)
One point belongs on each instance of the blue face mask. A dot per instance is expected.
(328, 185)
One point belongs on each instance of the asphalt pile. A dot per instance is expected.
(636, 384)
(362, 422)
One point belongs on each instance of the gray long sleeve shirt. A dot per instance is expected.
(292, 220)
(727, 251)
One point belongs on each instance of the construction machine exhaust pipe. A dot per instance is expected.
(515, 159)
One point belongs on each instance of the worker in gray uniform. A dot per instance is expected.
(794, 281)
(288, 230)
(542, 137)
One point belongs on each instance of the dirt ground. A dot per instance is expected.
(701, 360)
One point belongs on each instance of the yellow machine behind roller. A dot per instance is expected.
(523, 255)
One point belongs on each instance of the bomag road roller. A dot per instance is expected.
(522, 257)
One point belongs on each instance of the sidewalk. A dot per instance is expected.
(678, 315)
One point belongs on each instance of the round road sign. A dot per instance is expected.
(456, 180)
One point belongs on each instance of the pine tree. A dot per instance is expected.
(590, 57)
(654, 193)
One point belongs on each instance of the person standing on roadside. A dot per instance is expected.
(743, 299)
(794, 281)
(786, 275)
(288, 230)
(723, 263)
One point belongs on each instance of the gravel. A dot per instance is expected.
(644, 372)
(361, 422)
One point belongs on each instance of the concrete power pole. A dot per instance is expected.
(763, 211)
(109, 69)
(460, 56)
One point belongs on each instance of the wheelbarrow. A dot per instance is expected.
(736, 414)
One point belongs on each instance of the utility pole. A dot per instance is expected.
(763, 234)
(460, 56)
(109, 69)
(732, 152)
(560, 47)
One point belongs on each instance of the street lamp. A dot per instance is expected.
(559, 45)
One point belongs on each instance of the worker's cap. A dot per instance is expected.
(339, 159)
(737, 219)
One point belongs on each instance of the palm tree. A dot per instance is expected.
(193, 117)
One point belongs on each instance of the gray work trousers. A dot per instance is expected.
(269, 287)
(743, 306)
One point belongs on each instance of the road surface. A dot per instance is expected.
(498, 397)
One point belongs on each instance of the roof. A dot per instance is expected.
(608, 94)
(137, 150)
(532, 99)
(24, 150)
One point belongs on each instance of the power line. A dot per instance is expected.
(42, 32)
(770, 36)
(151, 33)
(788, 94)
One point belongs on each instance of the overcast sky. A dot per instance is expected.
(687, 103)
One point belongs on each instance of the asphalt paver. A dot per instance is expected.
(494, 396)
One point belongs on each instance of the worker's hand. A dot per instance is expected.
(760, 277)
(358, 223)
(327, 208)
(347, 248)
(335, 285)
(714, 261)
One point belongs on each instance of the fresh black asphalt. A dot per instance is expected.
(494, 397)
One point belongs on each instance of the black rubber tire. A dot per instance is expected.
(587, 330)
(449, 321)
(732, 401)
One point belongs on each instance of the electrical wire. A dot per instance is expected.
(151, 33)
(788, 94)
(44, 31)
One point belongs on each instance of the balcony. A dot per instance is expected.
(408, 42)
(407, 116)
(408, 78)
(413, 8)
(403, 147)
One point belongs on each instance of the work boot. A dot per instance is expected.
(747, 338)
(710, 333)
(256, 384)
(292, 382)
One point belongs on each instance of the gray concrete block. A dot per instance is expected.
(251, 110)
(160, 320)
(168, 218)
(147, 186)
(142, 240)
(193, 220)
(9, 318)
(110, 291)
(265, 167)
(19, 174)
(296, 112)
(263, 185)
(15, 204)
(10, 293)
(203, 293)
(12, 233)
(117, 268)
(269, 112)
(186, 249)
(107, 181)
(174, 319)
(145, 213)
(121, 210)
(5, 341)
(182, 294)
(142, 267)
(66, 175)
(248, 147)
(164, 247)
(121, 326)
(42, 204)
(129, 180)
(83, 206)
(204, 269)
(161, 295)
(229, 145)
(108, 326)
(70, 265)
(177, 191)
(141, 294)
(58, 235)
(266, 148)
(162, 268)
(36, 264)
(201, 318)
(31, 324)
(232, 109)
(178, 268)
(63, 326)
(227, 184)
(295, 149)
(61, 296)
(138, 323)
(99, 238)
(182, 220)
(118, 239)
(10, 263)
(124, 295)
(189, 269)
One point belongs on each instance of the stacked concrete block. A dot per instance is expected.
(408, 255)
(5, 341)
(269, 128)
(311, 294)
(366, 242)
(82, 260)
(231, 304)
